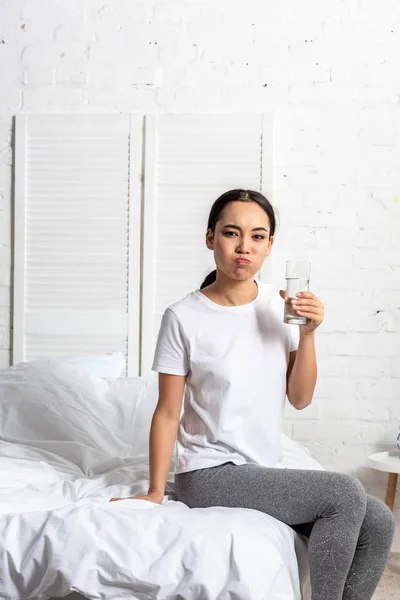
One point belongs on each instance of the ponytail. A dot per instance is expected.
(211, 277)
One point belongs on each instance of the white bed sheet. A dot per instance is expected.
(60, 534)
(61, 430)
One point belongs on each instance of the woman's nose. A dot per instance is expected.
(244, 246)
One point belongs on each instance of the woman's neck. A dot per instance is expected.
(231, 293)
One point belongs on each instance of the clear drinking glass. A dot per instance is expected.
(297, 280)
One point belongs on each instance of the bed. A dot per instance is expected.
(72, 437)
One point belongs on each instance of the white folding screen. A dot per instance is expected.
(190, 160)
(98, 256)
(77, 236)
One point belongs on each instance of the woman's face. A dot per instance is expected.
(241, 232)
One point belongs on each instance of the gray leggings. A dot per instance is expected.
(350, 533)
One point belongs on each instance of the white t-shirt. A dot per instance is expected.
(235, 359)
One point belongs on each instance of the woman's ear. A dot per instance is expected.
(209, 239)
(270, 244)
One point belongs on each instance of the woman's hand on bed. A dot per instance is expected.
(157, 499)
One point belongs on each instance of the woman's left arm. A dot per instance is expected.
(302, 369)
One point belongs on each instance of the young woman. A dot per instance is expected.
(226, 349)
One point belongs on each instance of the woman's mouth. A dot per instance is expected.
(242, 261)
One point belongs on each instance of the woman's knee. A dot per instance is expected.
(350, 485)
(349, 492)
(379, 519)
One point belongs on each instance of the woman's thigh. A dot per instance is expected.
(293, 496)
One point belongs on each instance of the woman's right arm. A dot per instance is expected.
(163, 430)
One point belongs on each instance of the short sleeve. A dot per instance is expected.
(171, 354)
(294, 335)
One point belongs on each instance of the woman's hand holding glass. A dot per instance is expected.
(306, 304)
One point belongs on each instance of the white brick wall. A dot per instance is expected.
(329, 72)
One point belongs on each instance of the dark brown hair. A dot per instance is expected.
(236, 196)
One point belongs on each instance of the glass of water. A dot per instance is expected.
(297, 280)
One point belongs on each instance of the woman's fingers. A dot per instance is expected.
(306, 305)
(313, 308)
(310, 316)
(305, 295)
(308, 311)
(114, 499)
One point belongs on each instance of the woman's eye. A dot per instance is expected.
(259, 237)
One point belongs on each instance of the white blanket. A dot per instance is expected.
(60, 534)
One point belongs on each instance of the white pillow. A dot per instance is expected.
(61, 409)
(79, 417)
(109, 365)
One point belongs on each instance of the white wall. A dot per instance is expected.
(329, 71)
